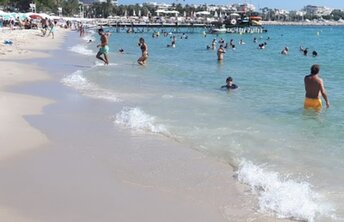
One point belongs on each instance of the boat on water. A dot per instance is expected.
(240, 21)
(218, 30)
(255, 20)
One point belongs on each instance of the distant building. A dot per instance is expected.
(161, 6)
(317, 10)
(114, 2)
(245, 7)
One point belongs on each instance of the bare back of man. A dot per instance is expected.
(314, 87)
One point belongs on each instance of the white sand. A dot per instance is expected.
(26, 42)
(16, 135)
(15, 106)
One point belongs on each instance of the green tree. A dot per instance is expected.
(337, 14)
(70, 7)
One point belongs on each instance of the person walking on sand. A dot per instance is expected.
(52, 29)
(144, 49)
(314, 87)
(103, 47)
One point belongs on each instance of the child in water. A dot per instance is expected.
(229, 84)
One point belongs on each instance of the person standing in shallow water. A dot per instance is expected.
(220, 53)
(144, 49)
(103, 47)
(229, 84)
(314, 87)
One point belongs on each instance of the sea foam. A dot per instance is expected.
(79, 82)
(81, 49)
(285, 197)
(135, 118)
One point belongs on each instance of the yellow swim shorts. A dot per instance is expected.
(313, 103)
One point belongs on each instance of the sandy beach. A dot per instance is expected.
(27, 44)
(78, 167)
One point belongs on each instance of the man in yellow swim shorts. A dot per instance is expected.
(314, 87)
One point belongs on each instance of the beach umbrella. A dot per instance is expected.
(215, 14)
(235, 14)
(139, 13)
(134, 13)
(35, 16)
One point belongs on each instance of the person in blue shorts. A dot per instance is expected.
(103, 47)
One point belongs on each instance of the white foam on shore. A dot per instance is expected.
(284, 197)
(99, 63)
(81, 49)
(135, 118)
(79, 82)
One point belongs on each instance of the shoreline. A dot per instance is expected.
(282, 23)
(109, 172)
(16, 106)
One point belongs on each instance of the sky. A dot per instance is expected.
(280, 4)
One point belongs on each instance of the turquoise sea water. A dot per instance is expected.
(291, 158)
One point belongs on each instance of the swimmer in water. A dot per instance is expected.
(220, 52)
(285, 51)
(231, 42)
(305, 52)
(213, 44)
(144, 49)
(174, 41)
(229, 84)
(314, 53)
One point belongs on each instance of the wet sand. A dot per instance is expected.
(78, 166)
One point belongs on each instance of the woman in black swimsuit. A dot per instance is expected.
(144, 49)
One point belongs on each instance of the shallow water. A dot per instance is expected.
(292, 158)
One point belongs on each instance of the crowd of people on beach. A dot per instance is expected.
(314, 85)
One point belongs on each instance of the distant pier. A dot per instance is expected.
(176, 27)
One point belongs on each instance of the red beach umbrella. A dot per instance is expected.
(35, 16)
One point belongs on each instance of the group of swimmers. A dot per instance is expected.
(314, 85)
(304, 51)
